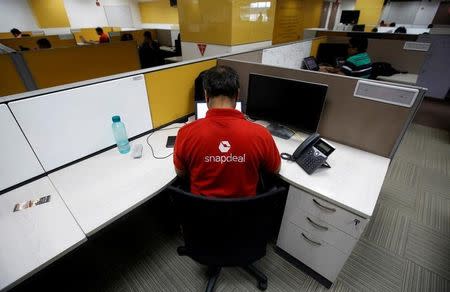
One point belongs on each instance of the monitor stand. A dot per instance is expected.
(280, 131)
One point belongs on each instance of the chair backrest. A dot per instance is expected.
(226, 231)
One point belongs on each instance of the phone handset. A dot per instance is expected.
(311, 154)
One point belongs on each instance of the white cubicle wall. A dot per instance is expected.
(288, 56)
(17, 160)
(67, 125)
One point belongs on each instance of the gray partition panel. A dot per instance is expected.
(255, 56)
(392, 52)
(369, 125)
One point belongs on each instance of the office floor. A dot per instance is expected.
(404, 248)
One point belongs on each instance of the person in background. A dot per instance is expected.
(126, 37)
(393, 24)
(149, 53)
(374, 29)
(358, 64)
(44, 43)
(382, 23)
(16, 33)
(103, 37)
(400, 29)
(223, 154)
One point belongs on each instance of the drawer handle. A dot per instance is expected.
(318, 226)
(311, 241)
(324, 207)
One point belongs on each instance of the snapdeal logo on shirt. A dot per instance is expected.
(224, 147)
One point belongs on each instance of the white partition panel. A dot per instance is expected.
(289, 56)
(17, 161)
(67, 125)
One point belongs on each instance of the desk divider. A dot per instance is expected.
(361, 123)
(66, 65)
(31, 42)
(10, 80)
(171, 91)
(17, 160)
(67, 125)
(288, 55)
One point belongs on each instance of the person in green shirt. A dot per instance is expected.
(358, 64)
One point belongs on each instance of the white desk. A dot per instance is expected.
(34, 237)
(326, 212)
(102, 188)
(406, 78)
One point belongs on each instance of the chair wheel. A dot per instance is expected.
(262, 285)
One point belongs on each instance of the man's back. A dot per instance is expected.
(224, 153)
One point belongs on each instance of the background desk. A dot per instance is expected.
(102, 188)
(407, 78)
(34, 237)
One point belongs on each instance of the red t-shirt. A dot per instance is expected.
(104, 38)
(223, 154)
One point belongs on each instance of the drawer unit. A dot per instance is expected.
(340, 218)
(322, 230)
(314, 252)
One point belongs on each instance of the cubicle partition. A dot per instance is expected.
(57, 41)
(401, 54)
(10, 80)
(373, 126)
(66, 65)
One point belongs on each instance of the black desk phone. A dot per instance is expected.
(311, 154)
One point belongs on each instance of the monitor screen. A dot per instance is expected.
(349, 16)
(289, 102)
(202, 108)
(331, 53)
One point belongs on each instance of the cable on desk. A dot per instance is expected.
(151, 148)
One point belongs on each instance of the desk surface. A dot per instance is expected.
(34, 237)
(406, 78)
(102, 188)
(353, 182)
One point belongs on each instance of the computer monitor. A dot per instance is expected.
(288, 102)
(349, 16)
(201, 108)
(330, 53)
(310, 63)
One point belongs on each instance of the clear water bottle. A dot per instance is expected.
(120, 134)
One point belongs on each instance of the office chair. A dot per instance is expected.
(226, 232)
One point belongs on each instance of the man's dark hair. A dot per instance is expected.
(221, 80)
(126, 37)
(99, 30)
(430, 25)
(374, 29)
(44, 43)
(148, 35)
(359, 43)
(400, 29)
(393, 24)
(15, 31)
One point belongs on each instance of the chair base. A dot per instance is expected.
(213, 274)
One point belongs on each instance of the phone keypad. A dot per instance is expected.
(311, 160)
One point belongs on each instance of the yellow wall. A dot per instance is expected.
(370, 12)
(158, 11)
(293, 16)
(168, 100)
(50, 13)
(250, 24)
(10, 81)
(60, 66)
(225, 22)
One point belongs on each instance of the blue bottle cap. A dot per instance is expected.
(116, 119)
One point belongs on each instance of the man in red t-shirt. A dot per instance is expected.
(223, 153)
(104, 38)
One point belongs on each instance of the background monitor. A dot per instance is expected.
(201, 109)
(329, 53)
(349, 16)
(289, 102)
